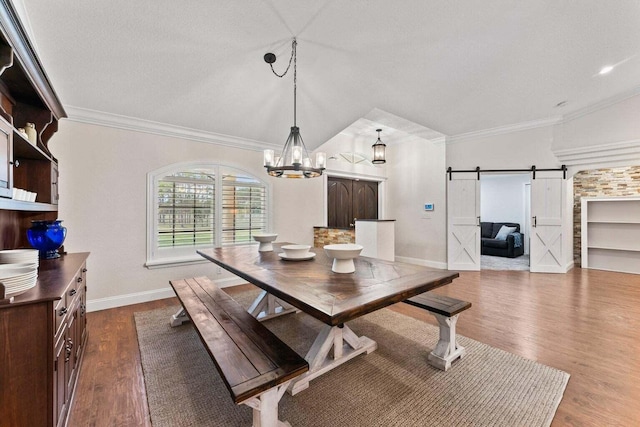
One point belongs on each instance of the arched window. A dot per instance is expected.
(199, 205)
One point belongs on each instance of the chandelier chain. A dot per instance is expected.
(293, 51)
(294, 58)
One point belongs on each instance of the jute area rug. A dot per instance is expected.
(393, 386)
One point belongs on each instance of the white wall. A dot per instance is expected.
(515, 150)
(416, 169)
(502, 198)
(103, 181)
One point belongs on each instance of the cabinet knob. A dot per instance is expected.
(15, 163)
(72, 292)
(84, 270)
(63, 311)
(79, 279)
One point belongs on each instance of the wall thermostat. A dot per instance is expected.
(428, 206)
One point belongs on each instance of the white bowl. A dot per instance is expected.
(296, 251)
(265, 240)
(343, 255)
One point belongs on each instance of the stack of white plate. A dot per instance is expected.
(18, 270)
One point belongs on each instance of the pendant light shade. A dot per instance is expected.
(379, 151)
(294, 161)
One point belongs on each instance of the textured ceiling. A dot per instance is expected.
(451, 66)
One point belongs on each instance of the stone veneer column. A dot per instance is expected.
(330, 236)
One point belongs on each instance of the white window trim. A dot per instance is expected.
(189, 256)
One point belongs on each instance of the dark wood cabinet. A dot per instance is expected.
(348, 200)
(43, 332)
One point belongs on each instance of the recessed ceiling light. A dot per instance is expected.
(606, 70)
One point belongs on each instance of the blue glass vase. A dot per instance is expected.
(47, 237)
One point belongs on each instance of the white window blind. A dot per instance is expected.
(186, 210)
(244, 209)
(199, 205)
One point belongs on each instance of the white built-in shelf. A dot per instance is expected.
(614, 222)
(611, 233)
(610, 248)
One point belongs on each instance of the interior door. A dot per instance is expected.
(547, 195)
(339, 203)
(365, 200)
(349, 199)
(463, 224)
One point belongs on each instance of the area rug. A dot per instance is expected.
(488, 262)
(393, 386)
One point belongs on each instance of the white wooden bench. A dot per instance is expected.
(255, 365)
(446, 311)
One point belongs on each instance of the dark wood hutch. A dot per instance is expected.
(42, 331)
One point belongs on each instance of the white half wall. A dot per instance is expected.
(103, 176)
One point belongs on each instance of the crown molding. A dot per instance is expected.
(504, 129)
(100, 118)
(608, 102)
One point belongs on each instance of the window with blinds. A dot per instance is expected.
(186, 210)
(199, 205)
(244, 211)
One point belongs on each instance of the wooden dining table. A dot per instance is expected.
(332, 298)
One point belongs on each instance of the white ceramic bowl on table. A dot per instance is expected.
(296, 251)
(343, 255)
(265, 240)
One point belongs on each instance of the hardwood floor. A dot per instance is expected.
(585, 322)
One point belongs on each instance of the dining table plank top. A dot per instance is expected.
(333, 298)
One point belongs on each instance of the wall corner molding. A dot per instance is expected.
(600, 156)
(101, 118)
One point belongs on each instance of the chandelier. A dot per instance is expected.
(294, 161)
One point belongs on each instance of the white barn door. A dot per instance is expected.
(463, 223)
(546, 250)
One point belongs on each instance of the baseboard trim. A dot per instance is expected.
(146, 296)
(423, 262)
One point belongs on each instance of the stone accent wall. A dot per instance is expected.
(612, 182)
(329, 236)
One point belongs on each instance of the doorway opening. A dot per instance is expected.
(505, 212)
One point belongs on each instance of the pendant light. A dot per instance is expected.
(378, 151)
(294, 161)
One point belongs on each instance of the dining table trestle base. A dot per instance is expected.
(267, 306)
(333, 346)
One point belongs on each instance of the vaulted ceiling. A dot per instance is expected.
(453, 66)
